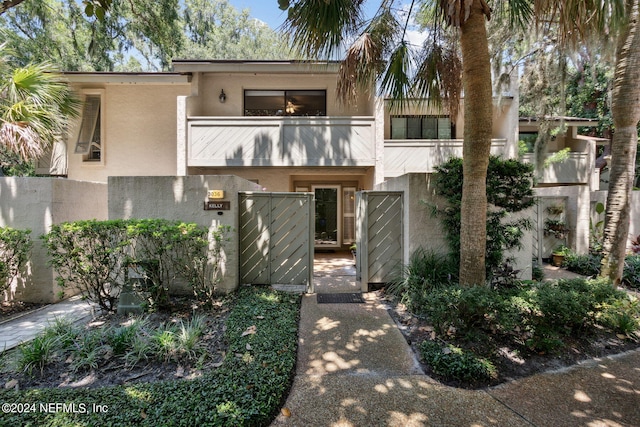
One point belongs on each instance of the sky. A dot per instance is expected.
(268, 11)
(264, 10)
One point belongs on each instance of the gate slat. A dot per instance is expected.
(276, 238)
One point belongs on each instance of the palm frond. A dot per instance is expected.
(438, 79)
(35, 105)
(518, 13)
(395, 81)
(578, 20)
(318, 27)
(364, 60)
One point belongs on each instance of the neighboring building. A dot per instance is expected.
(276, 123)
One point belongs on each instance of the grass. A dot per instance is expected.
(246, 390)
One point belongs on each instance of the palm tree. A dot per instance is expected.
(35, 104)
(625, 110)
(318, 27)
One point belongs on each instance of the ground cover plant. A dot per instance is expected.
(245, 386)
(482, 335)
(589, 265)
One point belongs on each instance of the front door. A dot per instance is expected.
(327, 221)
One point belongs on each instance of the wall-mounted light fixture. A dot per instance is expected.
(223, 96)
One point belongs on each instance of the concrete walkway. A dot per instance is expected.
(23, 328)
(354, 368)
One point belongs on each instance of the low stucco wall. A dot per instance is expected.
(36, 204)
(634, 225)
(182, 198)
(422, 229)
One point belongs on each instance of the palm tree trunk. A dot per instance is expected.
(626, 114)
(478, 115)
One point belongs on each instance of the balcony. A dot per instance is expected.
(577, 168)
(281, 141)
(420, 156)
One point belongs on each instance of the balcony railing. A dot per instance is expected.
(577, 168)
(419, 156)
(281, 141)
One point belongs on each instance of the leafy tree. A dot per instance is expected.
(136, 35)
(34, 106)
(215, 29)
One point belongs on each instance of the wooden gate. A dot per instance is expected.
(276, 238)
(379, 236)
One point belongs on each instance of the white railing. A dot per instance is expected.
(577, 168)
(422, 156)
(281, 141)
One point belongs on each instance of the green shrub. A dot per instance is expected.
(587, 265)
(622, 316)
(454, 363)
(101, 257)
(509, 190)
(36, 353)
(426, 270)
(631, 272)
(121, 338)
(89, 255)
(15, 246)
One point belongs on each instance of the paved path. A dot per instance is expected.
(355, 369)
(26, 327)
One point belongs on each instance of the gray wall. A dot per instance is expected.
(36, 204)
(182, 198)
(423, 229)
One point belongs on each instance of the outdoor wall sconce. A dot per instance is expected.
(222, 97)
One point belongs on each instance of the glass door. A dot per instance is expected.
(328, 227)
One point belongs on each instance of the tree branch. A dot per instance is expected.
(8, 4)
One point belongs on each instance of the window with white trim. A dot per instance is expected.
(421, 127)
(89, 142)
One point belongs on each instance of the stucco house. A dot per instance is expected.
(276, 123)
(154, 144)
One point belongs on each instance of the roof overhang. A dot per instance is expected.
(254, 66)
(566, 120)
(127, 78)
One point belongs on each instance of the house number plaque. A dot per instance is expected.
(217, 206)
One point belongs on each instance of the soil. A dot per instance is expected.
(511, 364)
(113, 371)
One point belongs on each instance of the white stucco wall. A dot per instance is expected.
(36, 204)
(182, 198)
(634, 225)
(139, 135)
(422, 229)
(234, 85)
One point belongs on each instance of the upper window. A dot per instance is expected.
(89, 141)
(285, 103)
(421, 127)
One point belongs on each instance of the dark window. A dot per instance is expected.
(421, 127)
(285, 103)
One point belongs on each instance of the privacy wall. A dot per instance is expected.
(37, 204)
